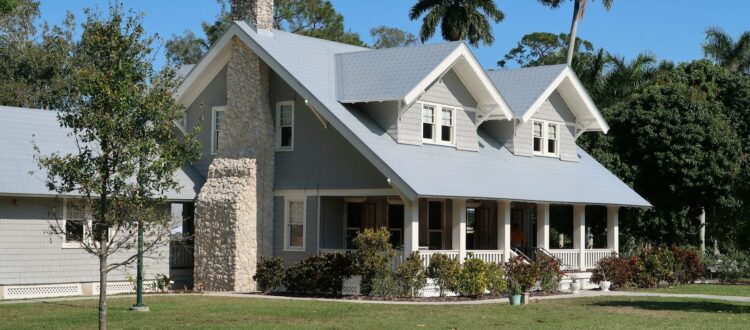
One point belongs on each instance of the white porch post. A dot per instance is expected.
(503, 228)
(579, 233)
(542, 225)
(613, 228)
(459, 228)
(411, 227)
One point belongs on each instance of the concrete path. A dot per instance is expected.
(582, 294)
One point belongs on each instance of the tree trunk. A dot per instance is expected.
(573, 30)
(103, 291)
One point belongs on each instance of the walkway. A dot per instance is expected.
(583, 294)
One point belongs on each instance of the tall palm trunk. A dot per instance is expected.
(573, 30)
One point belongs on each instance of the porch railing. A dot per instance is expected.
(592, 256)
(494, 256)
(427, 255)
(569, 257)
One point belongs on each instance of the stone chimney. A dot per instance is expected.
(234, 209)
(258, 12)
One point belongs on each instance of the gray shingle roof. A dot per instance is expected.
(492, 173)
(20, 126)
(521, 87)
(387, 74)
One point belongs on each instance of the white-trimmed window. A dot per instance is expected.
(75, 224)
(217, 114)
(545, 138)
(438, 124)
(294, 223)
(285, 126)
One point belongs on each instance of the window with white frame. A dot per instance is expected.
(438, 124)
(217, 114)
(79, 227)
(285, 125)
(546, 138)
(294, 221)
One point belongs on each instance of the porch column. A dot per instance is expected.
(503, 228)
(459, 228)
(542, 225)
(613, 228)
(411, 227)
(579, 233)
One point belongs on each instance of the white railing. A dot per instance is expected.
(569, 257)
(493, 256)
(427, 255)
(592, 256)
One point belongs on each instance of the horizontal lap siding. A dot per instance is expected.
(31, 254)
(385, 114)
(448, 91)
(553, 109)
(199, 113)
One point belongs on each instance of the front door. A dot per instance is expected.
(517, 237)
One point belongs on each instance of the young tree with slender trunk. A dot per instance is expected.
(579, 9)
(121, 113)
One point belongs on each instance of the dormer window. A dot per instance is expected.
(438, 124)
(546, 138)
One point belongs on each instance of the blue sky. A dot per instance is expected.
(671, 29)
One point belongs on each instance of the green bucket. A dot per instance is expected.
(515, 299)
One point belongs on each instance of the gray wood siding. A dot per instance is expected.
(322, 158)
(501, 131)
(553, 109)
(311, 230)
(199, 113)
(332, 222)
(31, 254)
(385, 114)
(448, 91)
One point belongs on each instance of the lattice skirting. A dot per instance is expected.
(42, 291)
(122, 287)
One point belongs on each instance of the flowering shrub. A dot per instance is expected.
(687, 264)
(615, 269)
(521, 275)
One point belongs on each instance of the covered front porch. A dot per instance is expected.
(491, 230)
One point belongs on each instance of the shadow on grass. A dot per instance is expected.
(66, 304)
(677, 306)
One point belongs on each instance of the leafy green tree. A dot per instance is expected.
(315, 18)
(6, 6)
(458, 19)
(727, 52)
(121, 112)
(543, 48)
(579, 9)
(674, 143)
(389, 37)
(33, 61)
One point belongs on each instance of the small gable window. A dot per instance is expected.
(217, 114)
(438, 124)
(546, 138)
(285, 126)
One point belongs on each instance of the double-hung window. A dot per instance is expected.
(546, 138)
(294, 218)
(285, 126)
(438, 124)
(217, 115)
(79, 226)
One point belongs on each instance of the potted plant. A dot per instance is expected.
(514, 292)
(575, 286)
(522, 276)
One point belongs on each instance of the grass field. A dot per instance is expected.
(203, 312)
(712, 289)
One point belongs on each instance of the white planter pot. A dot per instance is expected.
(604, 285)
(575, 287)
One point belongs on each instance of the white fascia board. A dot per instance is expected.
(322, 109)
(461, 53)
(581, 92)
(206, 69)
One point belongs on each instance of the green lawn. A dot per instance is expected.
(216, 312)
(712, 289)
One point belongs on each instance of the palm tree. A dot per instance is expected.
(458, 19)
(579, 8)
(731, 54)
